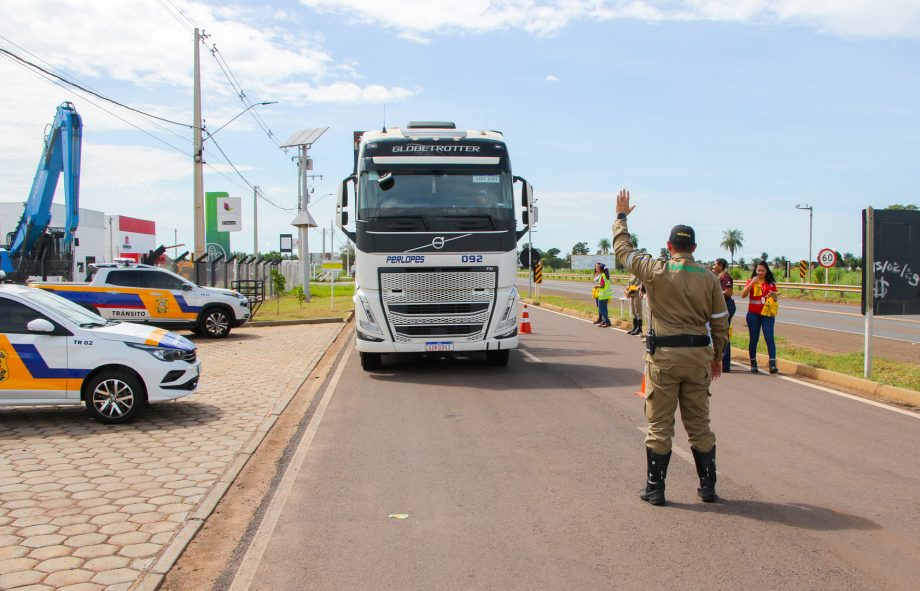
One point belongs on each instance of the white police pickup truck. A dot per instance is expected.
(142, 293)
(53, 351)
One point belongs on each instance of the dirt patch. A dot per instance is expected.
(206, 558)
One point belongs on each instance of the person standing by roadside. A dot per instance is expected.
(604, 293)
(594, 292)
(720, 268)
(634, 294)
(685, 306)
(761, 314)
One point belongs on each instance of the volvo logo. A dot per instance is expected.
(438, 243)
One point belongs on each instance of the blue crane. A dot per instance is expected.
(61, 154)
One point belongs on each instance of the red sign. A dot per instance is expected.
(827, 258)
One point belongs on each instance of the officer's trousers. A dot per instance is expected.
(635, 306)
(669, 387)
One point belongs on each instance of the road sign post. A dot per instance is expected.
(802, 270)
(334, 268)
(827, 258)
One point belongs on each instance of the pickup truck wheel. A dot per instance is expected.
(370, 361)
(214, 323)
(499, 357)
(114, 396)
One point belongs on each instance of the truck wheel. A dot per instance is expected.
(370, 361)
(114, 396)
(499, 357)
(214, 323)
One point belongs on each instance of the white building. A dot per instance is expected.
(101, 238)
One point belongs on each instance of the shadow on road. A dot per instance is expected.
(472, 371)
(52, 420)
(798, 515)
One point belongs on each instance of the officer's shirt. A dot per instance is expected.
(684, 298)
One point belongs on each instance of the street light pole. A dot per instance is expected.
(810, 212)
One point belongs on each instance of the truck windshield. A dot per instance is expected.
(436, 194)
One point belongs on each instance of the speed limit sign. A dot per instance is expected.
(827, 258)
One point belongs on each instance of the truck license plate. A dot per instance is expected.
(439, 346)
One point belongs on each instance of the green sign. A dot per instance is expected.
(218, 243)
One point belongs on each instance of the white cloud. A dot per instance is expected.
(551, 78)
(419, 20)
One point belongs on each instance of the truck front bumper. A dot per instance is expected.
(421, 346)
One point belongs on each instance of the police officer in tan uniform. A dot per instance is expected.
(688, 330)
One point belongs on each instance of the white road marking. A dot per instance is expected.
(623, 330)
(851, 397)
(242, 580)
(888, 318)
(859, 332)
(530, 356)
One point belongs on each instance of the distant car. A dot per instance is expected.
(53, 351)
(125, 290)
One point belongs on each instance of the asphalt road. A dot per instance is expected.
(819, 315)
(526, 477)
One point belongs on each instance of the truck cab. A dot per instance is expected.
(134, 292)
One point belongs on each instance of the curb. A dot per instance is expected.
(861, 385)
(153, 578)
(261, 323)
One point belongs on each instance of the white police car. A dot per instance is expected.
(53, 351)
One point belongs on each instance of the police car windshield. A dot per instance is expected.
(67, 309)
(436, 193)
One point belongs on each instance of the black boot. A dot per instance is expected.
(635, 328)
(638, 328)
(599, 320)
(653, 493)
(706, 470)
(773, 366)
(753, 366)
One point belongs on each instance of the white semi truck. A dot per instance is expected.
(435, 234)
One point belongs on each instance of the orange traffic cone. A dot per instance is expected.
(525, 322)
(641, 393)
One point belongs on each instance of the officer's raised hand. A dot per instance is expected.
(623, 203)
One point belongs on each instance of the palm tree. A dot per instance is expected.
(604, 245)
(732, 240)
(634, 240)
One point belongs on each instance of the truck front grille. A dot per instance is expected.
(454, 303)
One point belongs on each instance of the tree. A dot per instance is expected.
(764, 257)
(732, 240)
(604, 246)
(899, 207)
(849, 261)
(742, 263)
(634, 240)
(664, 254)
(580, 248)
(551, 259)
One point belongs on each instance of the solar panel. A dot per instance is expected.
(304, 137)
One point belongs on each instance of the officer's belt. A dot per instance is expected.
(681, 340)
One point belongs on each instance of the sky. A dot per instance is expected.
(720, 114)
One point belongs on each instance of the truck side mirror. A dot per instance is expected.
(343, 219)
(342, 192)
(525, 217)
(526, 192)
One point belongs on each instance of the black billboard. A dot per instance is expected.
(896, 262)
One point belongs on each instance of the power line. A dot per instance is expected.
(100, 107)
(177, 13)
(245, 180)
(26, 62)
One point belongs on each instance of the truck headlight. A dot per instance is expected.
(161, 353)
(509, 316)
(369, 323)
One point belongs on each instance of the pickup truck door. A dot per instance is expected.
(33, 366)
(168, 298)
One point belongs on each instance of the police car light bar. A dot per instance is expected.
(123, 261)
(431, 125)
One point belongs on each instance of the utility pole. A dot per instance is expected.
(303, 221)
(198, 155)
(810, 211)
(255, 221)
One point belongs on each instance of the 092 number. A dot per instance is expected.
(471, 258)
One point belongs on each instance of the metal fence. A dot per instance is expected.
(228, 273)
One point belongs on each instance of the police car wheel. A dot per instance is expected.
(114, 396)
(214, 323)
(498, 357)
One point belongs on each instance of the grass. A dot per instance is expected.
(884, 371)
(288, 308)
